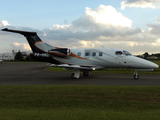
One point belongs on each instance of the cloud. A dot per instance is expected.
(21, 46)
(95, 23)
(158, 19)
(4, 23)
(104, 21)
(102, 26)
(154, 29)
(140, 3)
(92, 31)
(105, 15)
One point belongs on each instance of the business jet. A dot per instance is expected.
(85, 60)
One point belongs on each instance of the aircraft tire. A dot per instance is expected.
(73, 76)
(85, 74)
(136, 77)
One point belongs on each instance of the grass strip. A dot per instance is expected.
(79, 102)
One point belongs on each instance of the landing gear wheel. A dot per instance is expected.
(85, 74)
(73, 76)
(136, 77)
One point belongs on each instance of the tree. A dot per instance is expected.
(28, 58)
(18, 56)
(146, 55)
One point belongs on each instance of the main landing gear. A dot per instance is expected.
(136, 76)
(86, 74)
(76, 74)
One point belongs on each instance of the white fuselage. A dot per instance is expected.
(106, 58)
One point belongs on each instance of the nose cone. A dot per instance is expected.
(150, 65)
(142, 63)
(153, 65)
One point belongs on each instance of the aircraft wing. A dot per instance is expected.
(90, 68)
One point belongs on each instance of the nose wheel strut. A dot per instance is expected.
(136, 76)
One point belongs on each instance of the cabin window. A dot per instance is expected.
(79, 54)
(100, 54)
(127, 53)
(119, 53)
(87, 54)
(93, 54)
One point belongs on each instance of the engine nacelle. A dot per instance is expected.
(60, 52)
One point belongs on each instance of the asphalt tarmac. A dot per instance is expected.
(34, 74)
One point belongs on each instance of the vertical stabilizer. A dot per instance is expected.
(32, 39)
(39, 48)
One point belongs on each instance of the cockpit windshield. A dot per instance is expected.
(127, 53)
(119, 53)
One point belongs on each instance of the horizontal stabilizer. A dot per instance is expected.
(25, 33)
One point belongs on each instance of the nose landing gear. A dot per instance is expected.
(136, 76)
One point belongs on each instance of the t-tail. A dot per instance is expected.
(39, 48)
(32, 39)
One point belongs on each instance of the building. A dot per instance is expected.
(152, 57)
(6, 56)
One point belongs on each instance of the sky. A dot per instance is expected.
(132, 25)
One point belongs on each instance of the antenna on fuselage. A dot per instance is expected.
(102, 46)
